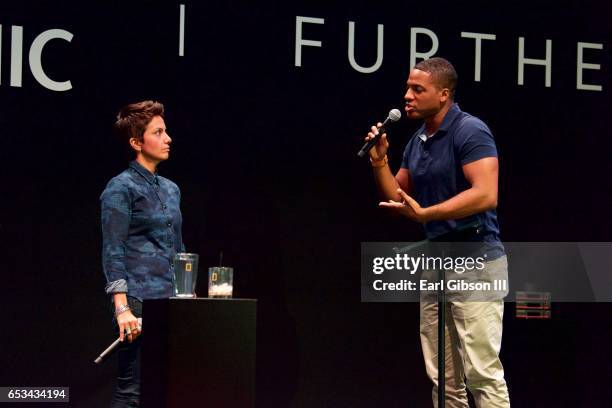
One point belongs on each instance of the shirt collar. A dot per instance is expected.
(151, 178)
(449, 118)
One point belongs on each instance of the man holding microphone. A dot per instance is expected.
(448, 179)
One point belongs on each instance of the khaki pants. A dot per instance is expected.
(472, 342)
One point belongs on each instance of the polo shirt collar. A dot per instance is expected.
(449, 118)
(151, 178)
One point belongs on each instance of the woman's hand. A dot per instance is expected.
(127, 322)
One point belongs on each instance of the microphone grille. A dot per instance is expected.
(394, 115)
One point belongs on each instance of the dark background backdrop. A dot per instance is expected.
(264, 153)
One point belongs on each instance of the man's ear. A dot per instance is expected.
(444, 95)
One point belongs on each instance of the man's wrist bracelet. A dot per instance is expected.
(121, 309)
(379, 163)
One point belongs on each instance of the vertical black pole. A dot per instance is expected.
(441, 326)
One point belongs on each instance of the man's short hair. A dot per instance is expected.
(132, 119)
(442, 72)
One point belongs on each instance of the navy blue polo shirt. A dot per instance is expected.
(435, 165)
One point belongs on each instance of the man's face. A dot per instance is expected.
(156, 142)
(424, 98)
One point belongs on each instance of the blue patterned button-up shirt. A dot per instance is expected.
(141, 233)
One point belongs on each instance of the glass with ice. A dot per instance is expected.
(220, 282)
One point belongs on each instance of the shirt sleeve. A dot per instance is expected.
(115, 217)
(474, 141)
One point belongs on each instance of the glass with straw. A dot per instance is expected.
(220, 280)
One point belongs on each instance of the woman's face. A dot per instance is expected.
(156, 142)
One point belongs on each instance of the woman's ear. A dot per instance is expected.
(136, 144)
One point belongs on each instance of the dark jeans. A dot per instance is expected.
(127, 392)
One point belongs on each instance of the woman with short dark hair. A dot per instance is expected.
(141, 230)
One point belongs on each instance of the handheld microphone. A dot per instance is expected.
(112, 347)
(394, 116)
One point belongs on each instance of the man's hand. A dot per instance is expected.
(408, 207)
(379, 151)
